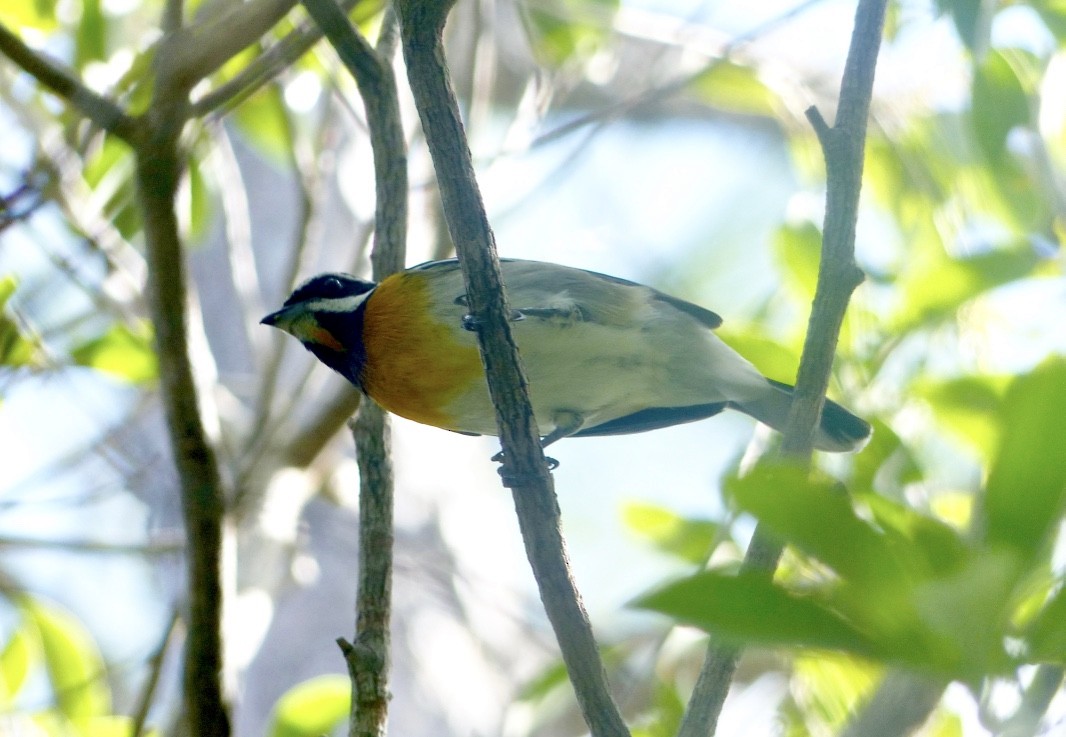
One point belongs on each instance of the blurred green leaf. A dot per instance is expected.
(312, 708)
(972, 20)
(15, 348)
(929, 547)
(75, 667)
(937, 288)
(37, 14)
(121, 352)
(884, 460)
(736, 88)
(263, 120)
(688, 539)
(91, 40)
(1000, 104)
(197, 203)
(968, 407)
(15, 661)
(748, 607)
(798, 249)
(567, 30)
(800, 511)
(1047, 633)
(111, 725)
(829, 686)
(664, 718)
(769, 356)
(1026, 489)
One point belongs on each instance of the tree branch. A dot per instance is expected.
(368, 657)
(901, 704)
(193, 52)
(158, 173)
(97, 108)
(838, 276)
(524, 469)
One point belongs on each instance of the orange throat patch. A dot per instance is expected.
(416, 364)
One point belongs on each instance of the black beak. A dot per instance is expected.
(270, 319)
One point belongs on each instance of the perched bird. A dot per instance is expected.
(604, 356)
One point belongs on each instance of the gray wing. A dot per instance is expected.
(549, 291)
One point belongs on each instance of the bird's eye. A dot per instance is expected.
(332, 286)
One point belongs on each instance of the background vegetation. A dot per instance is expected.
(663, 142)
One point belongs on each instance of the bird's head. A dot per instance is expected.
(325, 314)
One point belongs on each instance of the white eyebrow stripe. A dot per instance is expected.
(338, 304)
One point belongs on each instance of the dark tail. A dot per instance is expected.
(839, 431)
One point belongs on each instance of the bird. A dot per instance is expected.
(603, 355)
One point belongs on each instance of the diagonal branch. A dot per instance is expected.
(97, 108)
(525, 471)
(843, 147)
(191, 53)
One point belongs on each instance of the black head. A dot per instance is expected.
(325, 313)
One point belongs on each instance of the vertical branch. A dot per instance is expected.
(158, 173)
(524, 470)
(843, 147)
(368, 657)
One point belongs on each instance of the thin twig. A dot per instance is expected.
(838, 276)
(422, 24)
(155, 669)
(97, 108)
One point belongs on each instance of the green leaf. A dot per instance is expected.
(929, 547)
(264, 122)
(312, 708)
(1047, 633)
(829, 686)
(1000, 104)
(15, 349)
(196, 203)
(112, 725)
(769, 356)
(940, 285)
(884, 461)
(567, 30)
(1026, 489)
(38, 14)
(92, 34)
(750, 608)
(736, 88)
(15, 661)
(121, 352)
(73, 661)
(798, 249)
(968, 407)
(688, 539)
(972, 20)
(799, 511)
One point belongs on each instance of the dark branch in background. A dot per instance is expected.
(900, 706)
(368, 656)
(100, 110)
(843, 146)
(158, 172)
(421, 27)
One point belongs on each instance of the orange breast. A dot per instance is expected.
(415, 365)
